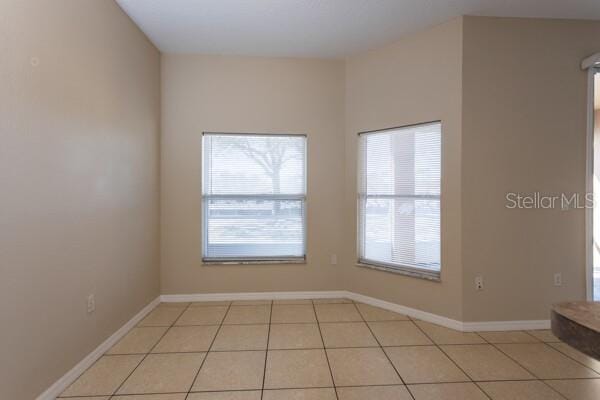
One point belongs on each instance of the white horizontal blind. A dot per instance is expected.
(254, 189)
(399, 197)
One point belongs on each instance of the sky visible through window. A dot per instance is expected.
(254, 189)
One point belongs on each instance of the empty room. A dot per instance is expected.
(299, 200)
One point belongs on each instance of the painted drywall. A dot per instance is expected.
(524, 131)
(418, 79)
(80, 107)
(260, 95)
(79, 123)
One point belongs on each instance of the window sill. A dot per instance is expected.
(254, 262)
(406, 271)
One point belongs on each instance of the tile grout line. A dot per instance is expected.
(526, 369)
(319, 387)
(115, 396)
(464, 372)
(331, 347)
(528, 334)
(572, 358)
(115, 392)
(325, 350)
(282, 323)
(522, 366)
(262, 390)
(537, 341)
(208, 351)
(439, 347)
(383, 350)
(278, 349)
(548, 345)
(105, 355)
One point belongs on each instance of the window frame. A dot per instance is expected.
(592, 65)
(402, 269)
(206, 198)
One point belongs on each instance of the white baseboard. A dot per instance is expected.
(411, 312)
(169, 298)
(60, 385)
(506, 325)
(452, 323)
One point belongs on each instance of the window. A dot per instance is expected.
(399, 199)
(254, 189)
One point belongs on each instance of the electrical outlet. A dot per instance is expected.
(333, 259)
(479, 283)
(91, 303)
(558, 279)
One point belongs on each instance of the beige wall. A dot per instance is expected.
(79, 169)
(418, 79)
(524, 130)
(79, 182)
(246, 94)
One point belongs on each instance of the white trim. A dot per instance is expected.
(170, 298)
(505, 325)
(207, 197)
(589, 186)
(411, 312)
(452, 323)
(590, 61)
(60, 385)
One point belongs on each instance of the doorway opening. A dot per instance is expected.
(593, 268)
(594, 279)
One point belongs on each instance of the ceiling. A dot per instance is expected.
(316, 28)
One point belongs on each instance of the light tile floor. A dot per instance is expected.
(328, 349)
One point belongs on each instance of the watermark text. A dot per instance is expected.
(537, 200)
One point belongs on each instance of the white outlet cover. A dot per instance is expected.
(479, 283)
(91, 303)
(558, 279)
